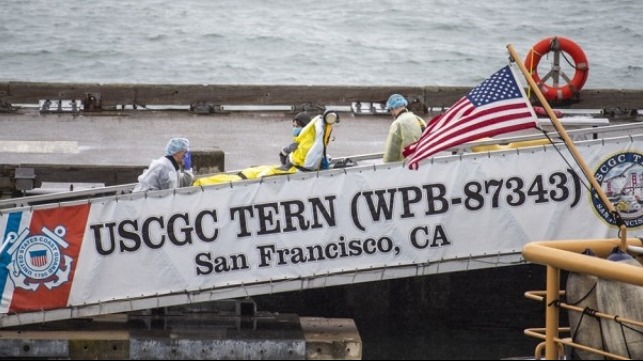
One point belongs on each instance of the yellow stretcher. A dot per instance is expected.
(248, 173)
(508, 146)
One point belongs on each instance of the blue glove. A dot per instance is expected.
(187, 160)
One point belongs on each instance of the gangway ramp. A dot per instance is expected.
(128, 252)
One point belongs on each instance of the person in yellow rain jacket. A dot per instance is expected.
(405, 129)
(307, 152)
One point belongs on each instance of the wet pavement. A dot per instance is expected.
(134, 138)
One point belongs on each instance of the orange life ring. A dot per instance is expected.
(558, 91)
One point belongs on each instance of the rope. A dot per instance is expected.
(573, 65)
(629, 354)
(600, 328)
(554, 303)
(623, 327)
(584, 297)
(587, 187)
(590, 312)
(617, 217)
(531, 70)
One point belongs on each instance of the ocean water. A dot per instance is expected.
(387, 42)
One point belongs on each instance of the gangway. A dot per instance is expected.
(592, 132)
(103, 251)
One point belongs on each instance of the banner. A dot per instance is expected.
(290, 227)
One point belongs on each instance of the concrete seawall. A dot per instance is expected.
(114, 95)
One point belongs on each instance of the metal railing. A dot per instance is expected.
(567, 255)
(577, 134)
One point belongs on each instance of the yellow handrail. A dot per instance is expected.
(567, 255)
(538, 333)
(535, 295)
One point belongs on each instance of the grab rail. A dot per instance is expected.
(541, 332)
(126, 188)
(566, 255)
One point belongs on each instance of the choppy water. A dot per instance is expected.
(388, 42)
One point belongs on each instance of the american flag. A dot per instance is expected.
(496, 106)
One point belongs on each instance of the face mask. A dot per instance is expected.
(296, 131)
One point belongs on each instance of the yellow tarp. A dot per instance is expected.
(513, 145)
(248, 173)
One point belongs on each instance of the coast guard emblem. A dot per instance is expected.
(39, 259)
(621, 178)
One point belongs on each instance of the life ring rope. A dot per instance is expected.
(531, 70)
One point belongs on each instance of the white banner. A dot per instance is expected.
(306, 225)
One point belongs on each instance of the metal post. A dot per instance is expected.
(552, 313)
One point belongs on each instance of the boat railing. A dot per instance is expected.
(568, 255)
(568, 341)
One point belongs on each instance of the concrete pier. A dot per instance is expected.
(108, 133)
(114, 147)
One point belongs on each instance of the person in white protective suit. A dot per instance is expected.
(165, 172)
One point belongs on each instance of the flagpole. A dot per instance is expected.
(572, 148)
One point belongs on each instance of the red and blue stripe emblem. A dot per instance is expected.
(38, 257)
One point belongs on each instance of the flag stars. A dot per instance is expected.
(500, 86)
(505, 110)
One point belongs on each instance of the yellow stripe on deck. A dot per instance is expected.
(24, 146)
